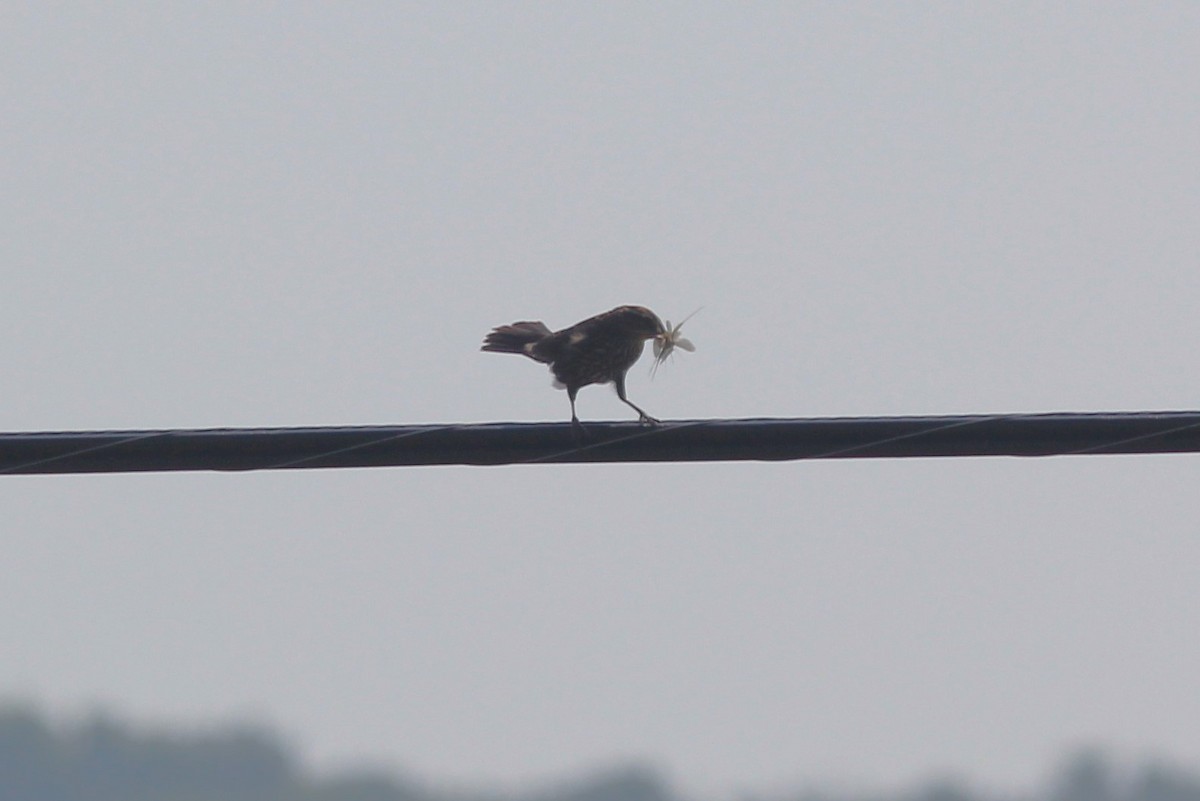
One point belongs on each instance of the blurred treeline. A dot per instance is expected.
(104, 759)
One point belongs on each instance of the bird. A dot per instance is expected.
(598, 350)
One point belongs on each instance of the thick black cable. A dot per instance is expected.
(557, 443)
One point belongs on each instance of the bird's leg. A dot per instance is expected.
(642, 416)
(577, 429)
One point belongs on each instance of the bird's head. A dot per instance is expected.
(640, 321)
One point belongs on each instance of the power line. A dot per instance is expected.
(555, 443)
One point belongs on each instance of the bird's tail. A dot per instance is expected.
(516, 338)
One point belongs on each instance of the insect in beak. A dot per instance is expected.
(666, 342)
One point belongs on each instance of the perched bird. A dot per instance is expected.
(597, 350)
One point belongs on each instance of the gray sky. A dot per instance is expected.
(234, 214)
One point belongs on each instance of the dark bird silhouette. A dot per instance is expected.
(597, 350)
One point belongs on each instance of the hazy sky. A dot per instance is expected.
(264, 214)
